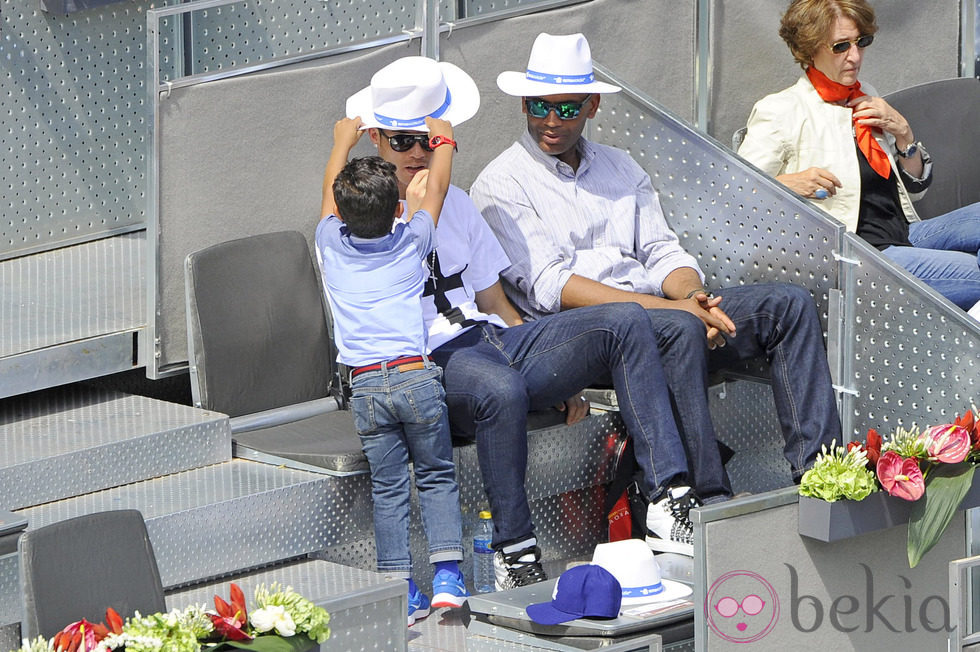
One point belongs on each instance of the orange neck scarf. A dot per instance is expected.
(831, 91)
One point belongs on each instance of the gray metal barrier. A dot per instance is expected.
(911, 356)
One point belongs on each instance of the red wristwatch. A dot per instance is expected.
(435, 141)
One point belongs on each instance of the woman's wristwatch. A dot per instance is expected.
(910, 150)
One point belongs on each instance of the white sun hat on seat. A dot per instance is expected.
(632, 563)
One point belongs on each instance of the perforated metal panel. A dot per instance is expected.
(81, 441)
(72, 294)
(236, 515)
(912, 358)
(739, 225)
(72, 124)
(10, 637)
(10, 607)
(744, 415)
(254, 31)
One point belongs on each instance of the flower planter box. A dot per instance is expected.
(848, 518)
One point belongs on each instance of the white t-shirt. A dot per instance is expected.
(470, 260)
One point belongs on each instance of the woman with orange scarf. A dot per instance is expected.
(833, 140)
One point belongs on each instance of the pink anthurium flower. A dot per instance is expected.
(901, 476)
(948, 443)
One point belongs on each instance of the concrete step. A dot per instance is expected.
(70, 441)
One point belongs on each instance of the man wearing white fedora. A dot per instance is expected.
(582, 226)
(497, 368)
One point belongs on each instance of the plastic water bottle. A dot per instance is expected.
(483, 578)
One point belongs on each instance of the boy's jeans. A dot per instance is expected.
(401, 415)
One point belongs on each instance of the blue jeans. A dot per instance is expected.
(495, 375)
(399, 414)
(945, 254)
(775, 321)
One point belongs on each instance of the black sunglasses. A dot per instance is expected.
(843, 46)
(538, 108)
(405, 142)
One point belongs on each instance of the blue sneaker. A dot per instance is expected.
(448, 590)
(418, 606)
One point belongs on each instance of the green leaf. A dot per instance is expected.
(267, 643)
(946, 486)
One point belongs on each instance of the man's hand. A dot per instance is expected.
(714, 318)
(415, 192)
(576, 408)
(346, 133)
(810, 182)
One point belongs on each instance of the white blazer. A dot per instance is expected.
(794, 129)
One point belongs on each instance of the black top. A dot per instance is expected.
(880, 219)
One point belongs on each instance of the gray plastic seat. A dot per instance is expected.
(944, 115)
(260, 351)
(77, 568)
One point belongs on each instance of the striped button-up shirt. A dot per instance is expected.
(602, 221)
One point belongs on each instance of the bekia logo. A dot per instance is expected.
(741, 607)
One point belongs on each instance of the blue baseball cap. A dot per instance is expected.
(586, 591)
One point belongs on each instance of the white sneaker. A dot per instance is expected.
(975, 311)
(517, 568)
(669, 527)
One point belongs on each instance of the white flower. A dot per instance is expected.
(273, 617)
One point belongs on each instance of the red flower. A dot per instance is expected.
(901, 476)
(80, 636)
(972, 426)
(115, 621)
(873, 446)
(231, 619)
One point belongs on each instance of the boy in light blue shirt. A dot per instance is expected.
(373, 269)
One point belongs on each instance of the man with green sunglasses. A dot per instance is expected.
(582, 225)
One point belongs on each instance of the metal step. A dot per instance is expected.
(73, 441)
(72, 313)
(231, 517)
(367, 610)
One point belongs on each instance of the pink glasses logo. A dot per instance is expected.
(741, 607)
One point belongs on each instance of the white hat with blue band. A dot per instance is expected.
(407, 91)
(633, 564)
(557, 65)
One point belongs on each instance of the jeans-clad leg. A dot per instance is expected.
(953, 274)
(957, 230)
(779, 322)
(397, 415)
(493, 376)
(946, 254)
(683, 350)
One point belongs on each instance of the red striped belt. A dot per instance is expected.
(403, 361)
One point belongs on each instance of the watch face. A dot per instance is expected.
(910, 150)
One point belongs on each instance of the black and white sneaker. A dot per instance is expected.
(517, 568)
(669, 527)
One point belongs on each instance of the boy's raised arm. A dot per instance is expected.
(427, 192)
(345, 136)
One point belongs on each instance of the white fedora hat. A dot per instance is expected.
(407, 91)
(632, 563)
(557, 65)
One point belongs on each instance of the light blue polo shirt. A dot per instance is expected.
(374, 286)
